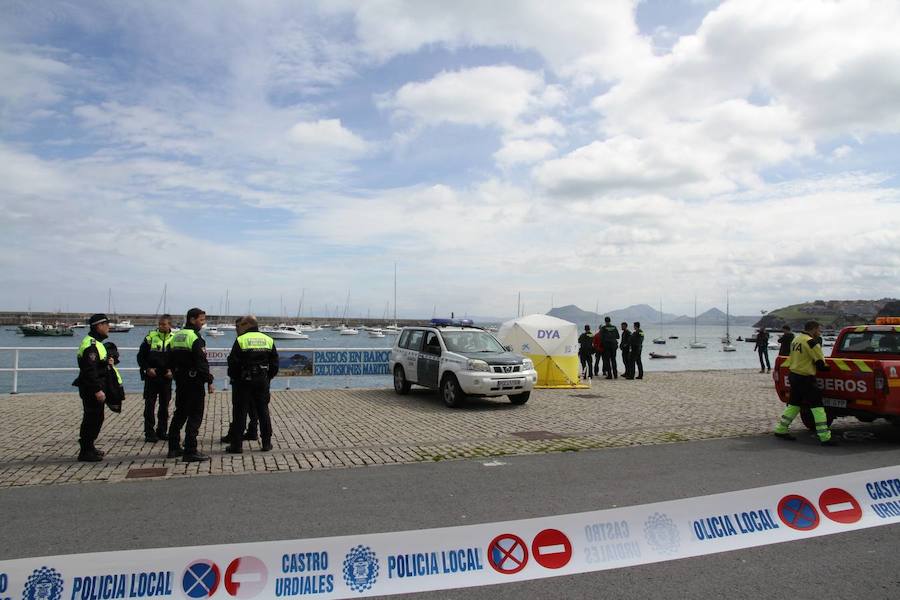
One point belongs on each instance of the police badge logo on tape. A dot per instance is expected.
(661, 533)
(44, 584)
(360, 568)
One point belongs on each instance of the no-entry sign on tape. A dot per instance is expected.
(473, 555)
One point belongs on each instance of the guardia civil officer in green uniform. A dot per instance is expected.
(805, 359)
(252, 364)
(187, 359)
(636, 341)
(610, 337)
(93, 366)
(153, 360)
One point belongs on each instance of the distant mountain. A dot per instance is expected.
(830, 313)
(714, 316)
(645, 314)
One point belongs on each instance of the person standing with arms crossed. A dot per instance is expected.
(610, 337)
(785, 341)
(805, 360)
(252, 363)
(93, 365)
(625, 346)
(637, 345)
(153, 360)
(192, 380)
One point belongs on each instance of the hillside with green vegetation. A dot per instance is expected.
(832, 314)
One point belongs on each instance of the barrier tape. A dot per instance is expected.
(472, 555)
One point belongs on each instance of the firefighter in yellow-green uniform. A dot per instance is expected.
(805, 360)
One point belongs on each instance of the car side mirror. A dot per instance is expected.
(507, 348)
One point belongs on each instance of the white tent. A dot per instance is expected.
(551, 343)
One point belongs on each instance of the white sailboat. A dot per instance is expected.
(727, 345)
(117, 325)
(695, 344)
(662, 336)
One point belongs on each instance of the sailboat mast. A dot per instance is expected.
(395, 293)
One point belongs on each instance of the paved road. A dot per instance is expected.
(324, 429)
(146, 514)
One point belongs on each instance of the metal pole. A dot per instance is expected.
(15, 389)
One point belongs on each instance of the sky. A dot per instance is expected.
(592, 153)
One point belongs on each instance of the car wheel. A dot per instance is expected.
(451, 393)
(401, 385)
(520, 398)
(809, 422)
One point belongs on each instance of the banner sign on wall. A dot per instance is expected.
(472, 555)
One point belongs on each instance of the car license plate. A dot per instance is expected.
(834, 402)
(504, 384)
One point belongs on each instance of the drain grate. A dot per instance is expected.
(538, 435)
(144, 473)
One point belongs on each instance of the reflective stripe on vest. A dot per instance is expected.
(254, 340)
(184, 339)
(87, 342)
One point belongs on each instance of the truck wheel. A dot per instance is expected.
(520, 398)
(401, 385)
(451, 393)
(809, 422)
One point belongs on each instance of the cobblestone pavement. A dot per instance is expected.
(321, 429)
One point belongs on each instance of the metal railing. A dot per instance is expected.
(16, 369)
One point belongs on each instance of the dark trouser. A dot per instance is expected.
(253, 427)
(598, 359)
(636, 362)
(804, 391)
(586, 364)
(190, 399)
(91, 422)
(609, 362)
(253, 396)
(764, 355)
(161, 388)
(627, 364)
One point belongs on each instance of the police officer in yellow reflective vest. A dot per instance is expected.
(92, 386)
(192, 380)
(153, 360)
(252, 364)
(805, 360)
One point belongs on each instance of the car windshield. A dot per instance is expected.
(471, 341)
(872, 342)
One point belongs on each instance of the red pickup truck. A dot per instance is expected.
(864, 376)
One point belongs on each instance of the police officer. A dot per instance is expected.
(93, 365)
(253, 362)
(153, 360)
(253, 428)
(625, 346)
(805, 359)
(610, 336)
(636, 341)
(192, 380)
(585, 349)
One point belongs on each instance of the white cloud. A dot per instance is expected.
(327, 134)
(483, 96)
(516, 152)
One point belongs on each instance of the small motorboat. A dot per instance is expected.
(698, 345)
(728, 348)
(659, 340)
(673, 337)
(349, 331)
(374, 332)
(213, 332)
(662, 355)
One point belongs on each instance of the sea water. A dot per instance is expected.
(686, 359)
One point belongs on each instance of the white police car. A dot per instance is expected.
(460, 360)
